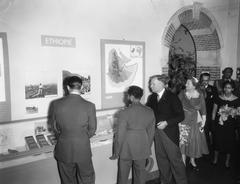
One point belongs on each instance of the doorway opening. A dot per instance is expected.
(182, 58)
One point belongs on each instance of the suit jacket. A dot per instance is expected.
(210, 92)
(136, 125)
(237, 88)
(168, 108)
(74, 120)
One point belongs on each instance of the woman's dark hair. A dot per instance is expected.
(135, 91)
(231, 83)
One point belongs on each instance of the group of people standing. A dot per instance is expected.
(222, 132)
(222, 127)
(180, 126)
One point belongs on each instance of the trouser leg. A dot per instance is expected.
(170, 160)
(124, 167)
(67, 172)
(139, 172)
(162, 159)
(85, 172)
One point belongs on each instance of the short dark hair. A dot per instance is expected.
(163, 78)
(228, 82)
(207, 74)
(75, 82)
(135, 91)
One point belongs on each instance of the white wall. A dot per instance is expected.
(89, 21)
(238, 49)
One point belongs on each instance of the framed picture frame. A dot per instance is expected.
(5, 99)
(122, 65)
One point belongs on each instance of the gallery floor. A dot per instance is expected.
(209, 173)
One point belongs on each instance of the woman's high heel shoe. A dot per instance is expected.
(195, 168)
(214, 163)
(227, 165)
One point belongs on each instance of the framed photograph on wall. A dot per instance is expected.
(123, 64)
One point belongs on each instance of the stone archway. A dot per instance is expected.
(206, 35)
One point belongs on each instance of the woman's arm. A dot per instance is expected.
(203, 109)
(203, 121)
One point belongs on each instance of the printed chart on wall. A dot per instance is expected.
(122, 66)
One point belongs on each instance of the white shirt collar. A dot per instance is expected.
(74, 93)
(160, 94)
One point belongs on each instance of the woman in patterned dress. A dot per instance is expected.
(192, 138)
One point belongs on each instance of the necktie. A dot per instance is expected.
(158, 97)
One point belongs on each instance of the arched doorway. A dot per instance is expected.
(205, 33)
(182, 58)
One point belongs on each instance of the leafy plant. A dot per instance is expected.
(180, 67)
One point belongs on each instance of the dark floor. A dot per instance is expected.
(209, 173)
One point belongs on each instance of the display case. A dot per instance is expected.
(30, 137)
(27, 152)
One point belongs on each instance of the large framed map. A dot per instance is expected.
(122, 66)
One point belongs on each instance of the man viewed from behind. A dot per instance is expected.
(74, 121)
(168, 112)
(136, 125)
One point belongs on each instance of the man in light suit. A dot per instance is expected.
(168, 112)
(74, 121)
(136, 125)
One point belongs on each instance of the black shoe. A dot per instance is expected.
(227, 166)
(214, 163)
(195, 168)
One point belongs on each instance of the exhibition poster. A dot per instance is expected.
(122, 66)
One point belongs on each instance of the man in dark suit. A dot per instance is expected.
(209, 92)
(74, 121)
(168, 112)
(136, 125)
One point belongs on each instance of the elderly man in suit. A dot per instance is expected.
(74, 121)
(168, 112)
(136, 125)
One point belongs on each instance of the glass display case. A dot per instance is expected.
(31, 137)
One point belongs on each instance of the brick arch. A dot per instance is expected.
(202, 26)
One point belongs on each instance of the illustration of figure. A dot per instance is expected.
(40, 90)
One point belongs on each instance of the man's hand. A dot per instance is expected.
(114, 157)
(162, 124)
